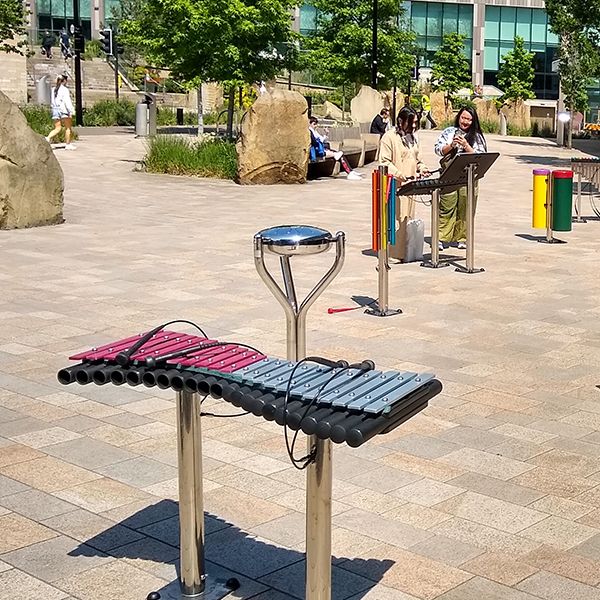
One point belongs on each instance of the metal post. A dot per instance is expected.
(549, 236)
(374, 47)
(434, 262)
(578, 218)
(470, 258)
(191, 509)
(319, 472)
(77, 66)
(116, 55)
(382, 309)
(193, 582)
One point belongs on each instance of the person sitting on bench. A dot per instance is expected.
(319, 148)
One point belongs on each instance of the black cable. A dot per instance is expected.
(123, 358)
(207, 414)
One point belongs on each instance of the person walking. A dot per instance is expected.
(62, 111)
(47, 43)
(465, 136)
(426, 107)
(381, 122)
(65, 44)
(399, 151)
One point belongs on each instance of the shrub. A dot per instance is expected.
(93, 49)
(518, 131)
(40, 120)
(458, 103)
(490, 126)
(180, 156)
(107, 113)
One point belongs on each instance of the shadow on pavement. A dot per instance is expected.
(230, 552)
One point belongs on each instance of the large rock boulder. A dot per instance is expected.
(274, 144)
(366, 104)
(31, 180)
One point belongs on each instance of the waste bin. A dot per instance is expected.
(540, 190)
(562, 200)
(43, 90)
(141, 119)
(179, 116)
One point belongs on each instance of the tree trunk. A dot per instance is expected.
(230, 109)
(200, 108)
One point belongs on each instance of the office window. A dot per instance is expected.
(419, 18)
(524, 23)
(434, 19)
(539, 26)
(465, 20)
(308, 19)
(492, 22)
(490, 56)
(507, 23)
(450, 19)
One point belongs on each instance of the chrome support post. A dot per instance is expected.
(285, 242)
(434, 261)
(470, 258)
(382, 308)
(578, 218)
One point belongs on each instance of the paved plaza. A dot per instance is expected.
(492, 493)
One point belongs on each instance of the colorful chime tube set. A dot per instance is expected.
(383, 235)
(552, 202)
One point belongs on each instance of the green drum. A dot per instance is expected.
(562, 200)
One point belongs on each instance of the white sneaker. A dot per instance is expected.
(461, 246)
(337, 155)
(48, 139)
(354, 176)
(440, 246)
(70, 147)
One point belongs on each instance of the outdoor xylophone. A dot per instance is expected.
(331, 399)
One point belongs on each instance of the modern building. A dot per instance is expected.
(489, 27)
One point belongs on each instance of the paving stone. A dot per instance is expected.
(380, 527)
(287, 531)
(566, 564)
(472, 438)
(124, 582)
(485, 463)
(36, 505)
(16, 532)
(96, 531)
(559, 533)
(9, 486)
(413, 574)
(479, 588)
(55, 559)
(427, 492)
(546, 481)
(446, 550)
(496, 488)
(139, 472)
(499, 567)
(419, 516)
(384, 479)
(423, 446)
(575, 464)
(550, 586)
(561, 507)
(422, 466)
(590, 548)
(89, 453)
(16, 584)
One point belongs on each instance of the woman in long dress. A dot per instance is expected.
(399, 152)
(465, 137)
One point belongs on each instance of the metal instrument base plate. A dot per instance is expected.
(552, 241)
(214, 589)
(438, 265)
(377, 312)
(468, 271)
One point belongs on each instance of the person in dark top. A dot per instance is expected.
(65, 44)
(380, 123)
(47, 43)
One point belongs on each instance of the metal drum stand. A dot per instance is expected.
(287, 241)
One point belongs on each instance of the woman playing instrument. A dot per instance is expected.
(465, 136)
(62, 111)
(399, 152)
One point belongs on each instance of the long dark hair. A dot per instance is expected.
(475, 129)
(59, 81)
(406, 116)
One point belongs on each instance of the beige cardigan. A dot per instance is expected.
(401, 159)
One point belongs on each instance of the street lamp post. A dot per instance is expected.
(374, 48)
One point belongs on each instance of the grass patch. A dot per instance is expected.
(40, 120)
(107, 113)
(180, 156)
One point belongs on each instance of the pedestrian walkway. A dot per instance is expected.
(492, 492)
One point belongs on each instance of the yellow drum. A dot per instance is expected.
(541, 179)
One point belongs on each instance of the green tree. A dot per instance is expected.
(577, 23)
(12, 26)
(516, 73)
(451, 68)
(341, 49)
(230, 41)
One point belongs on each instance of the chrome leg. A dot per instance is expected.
(434, 262)
(470, 258)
